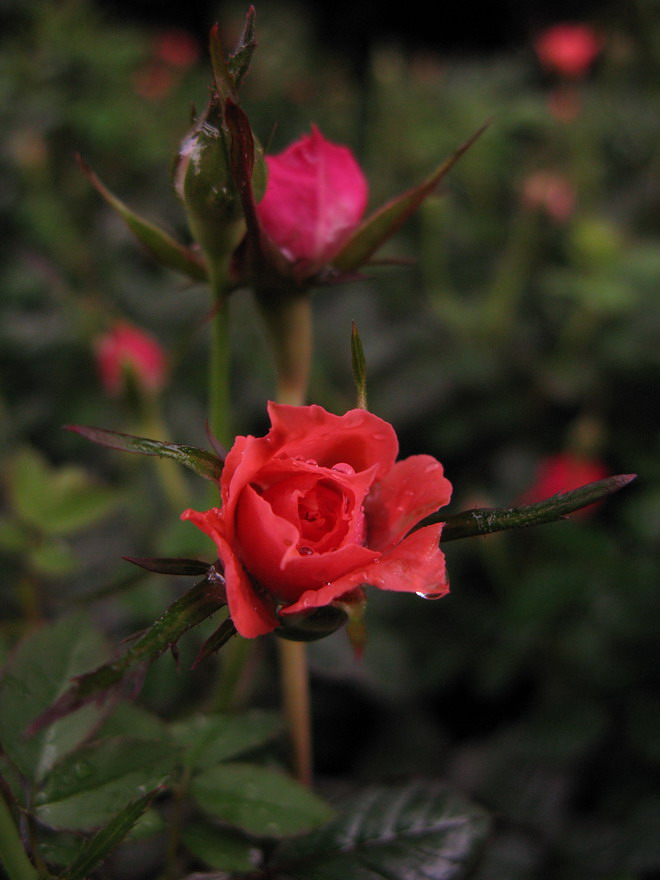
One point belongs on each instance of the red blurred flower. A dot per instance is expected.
(153, 81)
(315, 198)
(550, 192)
(177, 48)
(568, 49)
(318, 509)
(563, 472)
(127, 350)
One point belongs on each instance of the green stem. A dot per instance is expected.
(295, 691)
(289, 322)
(12, 855)
(219, 397)
(291, 326)
(169, 472)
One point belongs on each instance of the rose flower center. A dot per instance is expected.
(322, 510)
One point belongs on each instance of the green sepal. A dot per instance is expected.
(188, 611)
(204, 464)
(485, 520)
(384, 222)
(107, 839)
(160, 244)
(359, 364)
(218, 639)
(310, 626)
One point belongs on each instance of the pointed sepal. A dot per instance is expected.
(160, 244)
(384, 222)
(204, 464)
(485, 520)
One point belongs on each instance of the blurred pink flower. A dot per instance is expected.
(153, 81)
(177, 48)
(551, 192)
(315, 198)
(563, 472)
(568, 49)
(127, 350)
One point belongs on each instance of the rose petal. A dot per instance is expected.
(271, 554)
(358, 437)
(250, 613)
(315, 196)
(413, 489)
(416, 565)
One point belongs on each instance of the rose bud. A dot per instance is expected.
(568, 49)
(318, 509)
(204, 181)
(126, 352)
(315, 198)
(563, 472)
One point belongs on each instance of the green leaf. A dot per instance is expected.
(484, 520)
(56, 501)
(127, 719)
(203, 463)
(189, 610)
(209, 739)
(413, 832)
(108, 838)
(53, 558)
(87, 788)
(383, 223)
(221, 848)
(165, 249)
(259, 800)
(36, 675)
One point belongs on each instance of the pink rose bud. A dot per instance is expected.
(562, 473)
(315, 197)
(568, 49)
(128, 351)
(318, 509)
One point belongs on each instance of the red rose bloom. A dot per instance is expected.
(318, 508)
(315, 197)
(568, 49)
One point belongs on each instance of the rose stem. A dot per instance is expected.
(219, 404)
(295, 690)
(288, 320)
(290, 325)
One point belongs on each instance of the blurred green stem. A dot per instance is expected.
(169, 472)
(288, 320)
(12, 855)
(219, 398)
(294, 676)
(291, 329)
(499, 310)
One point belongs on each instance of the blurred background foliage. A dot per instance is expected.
(526, 325)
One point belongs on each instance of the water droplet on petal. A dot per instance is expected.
(431, 596)
(343, 468)
(305, 551)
